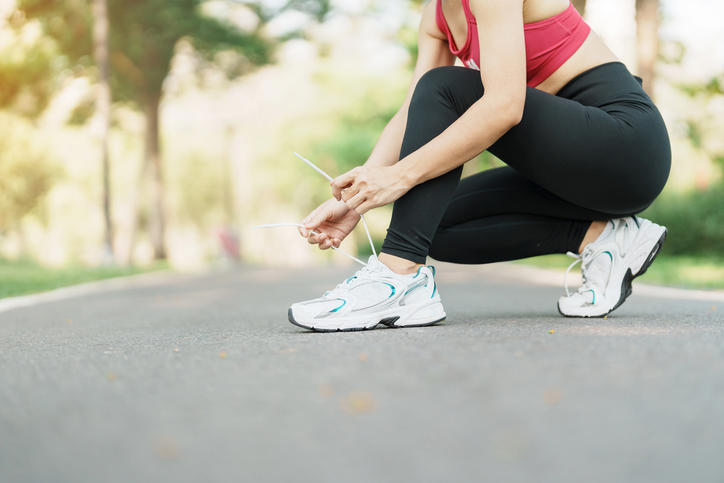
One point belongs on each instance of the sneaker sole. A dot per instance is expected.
(626, 283)
(387, 322)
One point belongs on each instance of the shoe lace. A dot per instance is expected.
(586, 259)
(368, 272)
(290, 224)
(625, 229)
(362, 218)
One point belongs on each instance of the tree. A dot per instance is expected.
(704, 127)
(26, 172)
(647, 41)
(143, 37)
(100, 51)
(26, 83)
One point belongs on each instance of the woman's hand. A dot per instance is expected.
(333, 220)
(367, 187)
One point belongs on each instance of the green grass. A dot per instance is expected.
(25, 277)
(671, 270)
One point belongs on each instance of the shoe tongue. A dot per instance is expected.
(374, 264)
(372, 261)
(608, 230)
(598, 270)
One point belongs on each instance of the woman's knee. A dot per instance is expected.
(438, 248)
(453, 85)
(436, 79)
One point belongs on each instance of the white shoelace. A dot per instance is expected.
(623, 232)
(586, 258)
(367, 272)
(626, 233)
(293, 224)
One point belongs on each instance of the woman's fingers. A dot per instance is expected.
(323, 240)
(316, 238)
(350, 192)
(354, 202)
(313, 220)
(364, 207)
(342, 181)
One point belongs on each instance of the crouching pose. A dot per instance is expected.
(585, 148)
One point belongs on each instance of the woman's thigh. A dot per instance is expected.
(579, 153)
(598, 157)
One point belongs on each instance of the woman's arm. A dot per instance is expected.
(503, 73)
(433, 52)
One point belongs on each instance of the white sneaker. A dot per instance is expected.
(624, 251)
(374, 295)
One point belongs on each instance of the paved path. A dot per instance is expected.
(201, 379)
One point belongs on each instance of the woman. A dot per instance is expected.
(585, 148)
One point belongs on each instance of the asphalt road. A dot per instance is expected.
(202, 379)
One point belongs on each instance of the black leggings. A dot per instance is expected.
(597, 150)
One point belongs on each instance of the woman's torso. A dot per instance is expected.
(591, 53)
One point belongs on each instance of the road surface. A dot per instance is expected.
(202, 379)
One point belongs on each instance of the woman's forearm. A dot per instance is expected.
(387, 149)
(471, 134)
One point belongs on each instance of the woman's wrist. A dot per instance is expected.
(406, 173)
(341, 205)
(376, 161)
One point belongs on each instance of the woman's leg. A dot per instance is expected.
(438, 101)
(499, 215)
(587, 149)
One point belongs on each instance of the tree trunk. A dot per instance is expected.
(580, 6)
(135, 203)
(157, 219)
(103, 106)
(647, 37)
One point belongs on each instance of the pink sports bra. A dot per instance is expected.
(548, 43)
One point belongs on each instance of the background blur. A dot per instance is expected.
(137, 134)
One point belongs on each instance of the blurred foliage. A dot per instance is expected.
(143, 38)
(319, 9)
(26, 172)
(714, 86)
(203, 191)
(695, 221)
(704, 125)
(407, 36)
(25, 75)
(357, 130)
(26, 276)
(83, 111)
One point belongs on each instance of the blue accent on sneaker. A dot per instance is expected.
(593, 302)
(412, 288)
(392, 287)
(344, 302)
